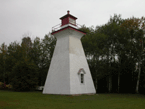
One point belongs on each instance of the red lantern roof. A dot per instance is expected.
(67, 21)
(68, 15)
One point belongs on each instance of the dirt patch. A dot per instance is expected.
(5, 104)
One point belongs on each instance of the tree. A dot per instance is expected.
(47, 48)
(24, 76)
(3, 54)
(27, 46)
(93, 44)
(13, 55)
(134, 28)
(112, 32)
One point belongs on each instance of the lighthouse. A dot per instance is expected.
(69, 73)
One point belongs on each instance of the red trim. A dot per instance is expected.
(81, 70)
(68, 27)
(68, 15)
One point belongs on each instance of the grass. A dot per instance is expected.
(36, 100)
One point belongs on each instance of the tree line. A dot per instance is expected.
(115, 53)
(25, 65)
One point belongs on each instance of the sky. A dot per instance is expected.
(19, 18)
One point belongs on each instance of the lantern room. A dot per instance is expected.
(68, 19)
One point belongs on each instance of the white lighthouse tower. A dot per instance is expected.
(69, 73)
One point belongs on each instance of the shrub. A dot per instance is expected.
(1, 85)
(9, 86)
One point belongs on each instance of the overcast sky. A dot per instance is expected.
(37, 17)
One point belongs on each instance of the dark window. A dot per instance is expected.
(82, 78)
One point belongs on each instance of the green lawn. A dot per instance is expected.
(36, 100)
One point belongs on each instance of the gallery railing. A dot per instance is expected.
(57, 27)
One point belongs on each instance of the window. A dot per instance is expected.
(81, 75)
(72, 21)
(82, 78)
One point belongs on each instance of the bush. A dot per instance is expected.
(24, 76)
(9, 86)
(1, 85)
(4, 86)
